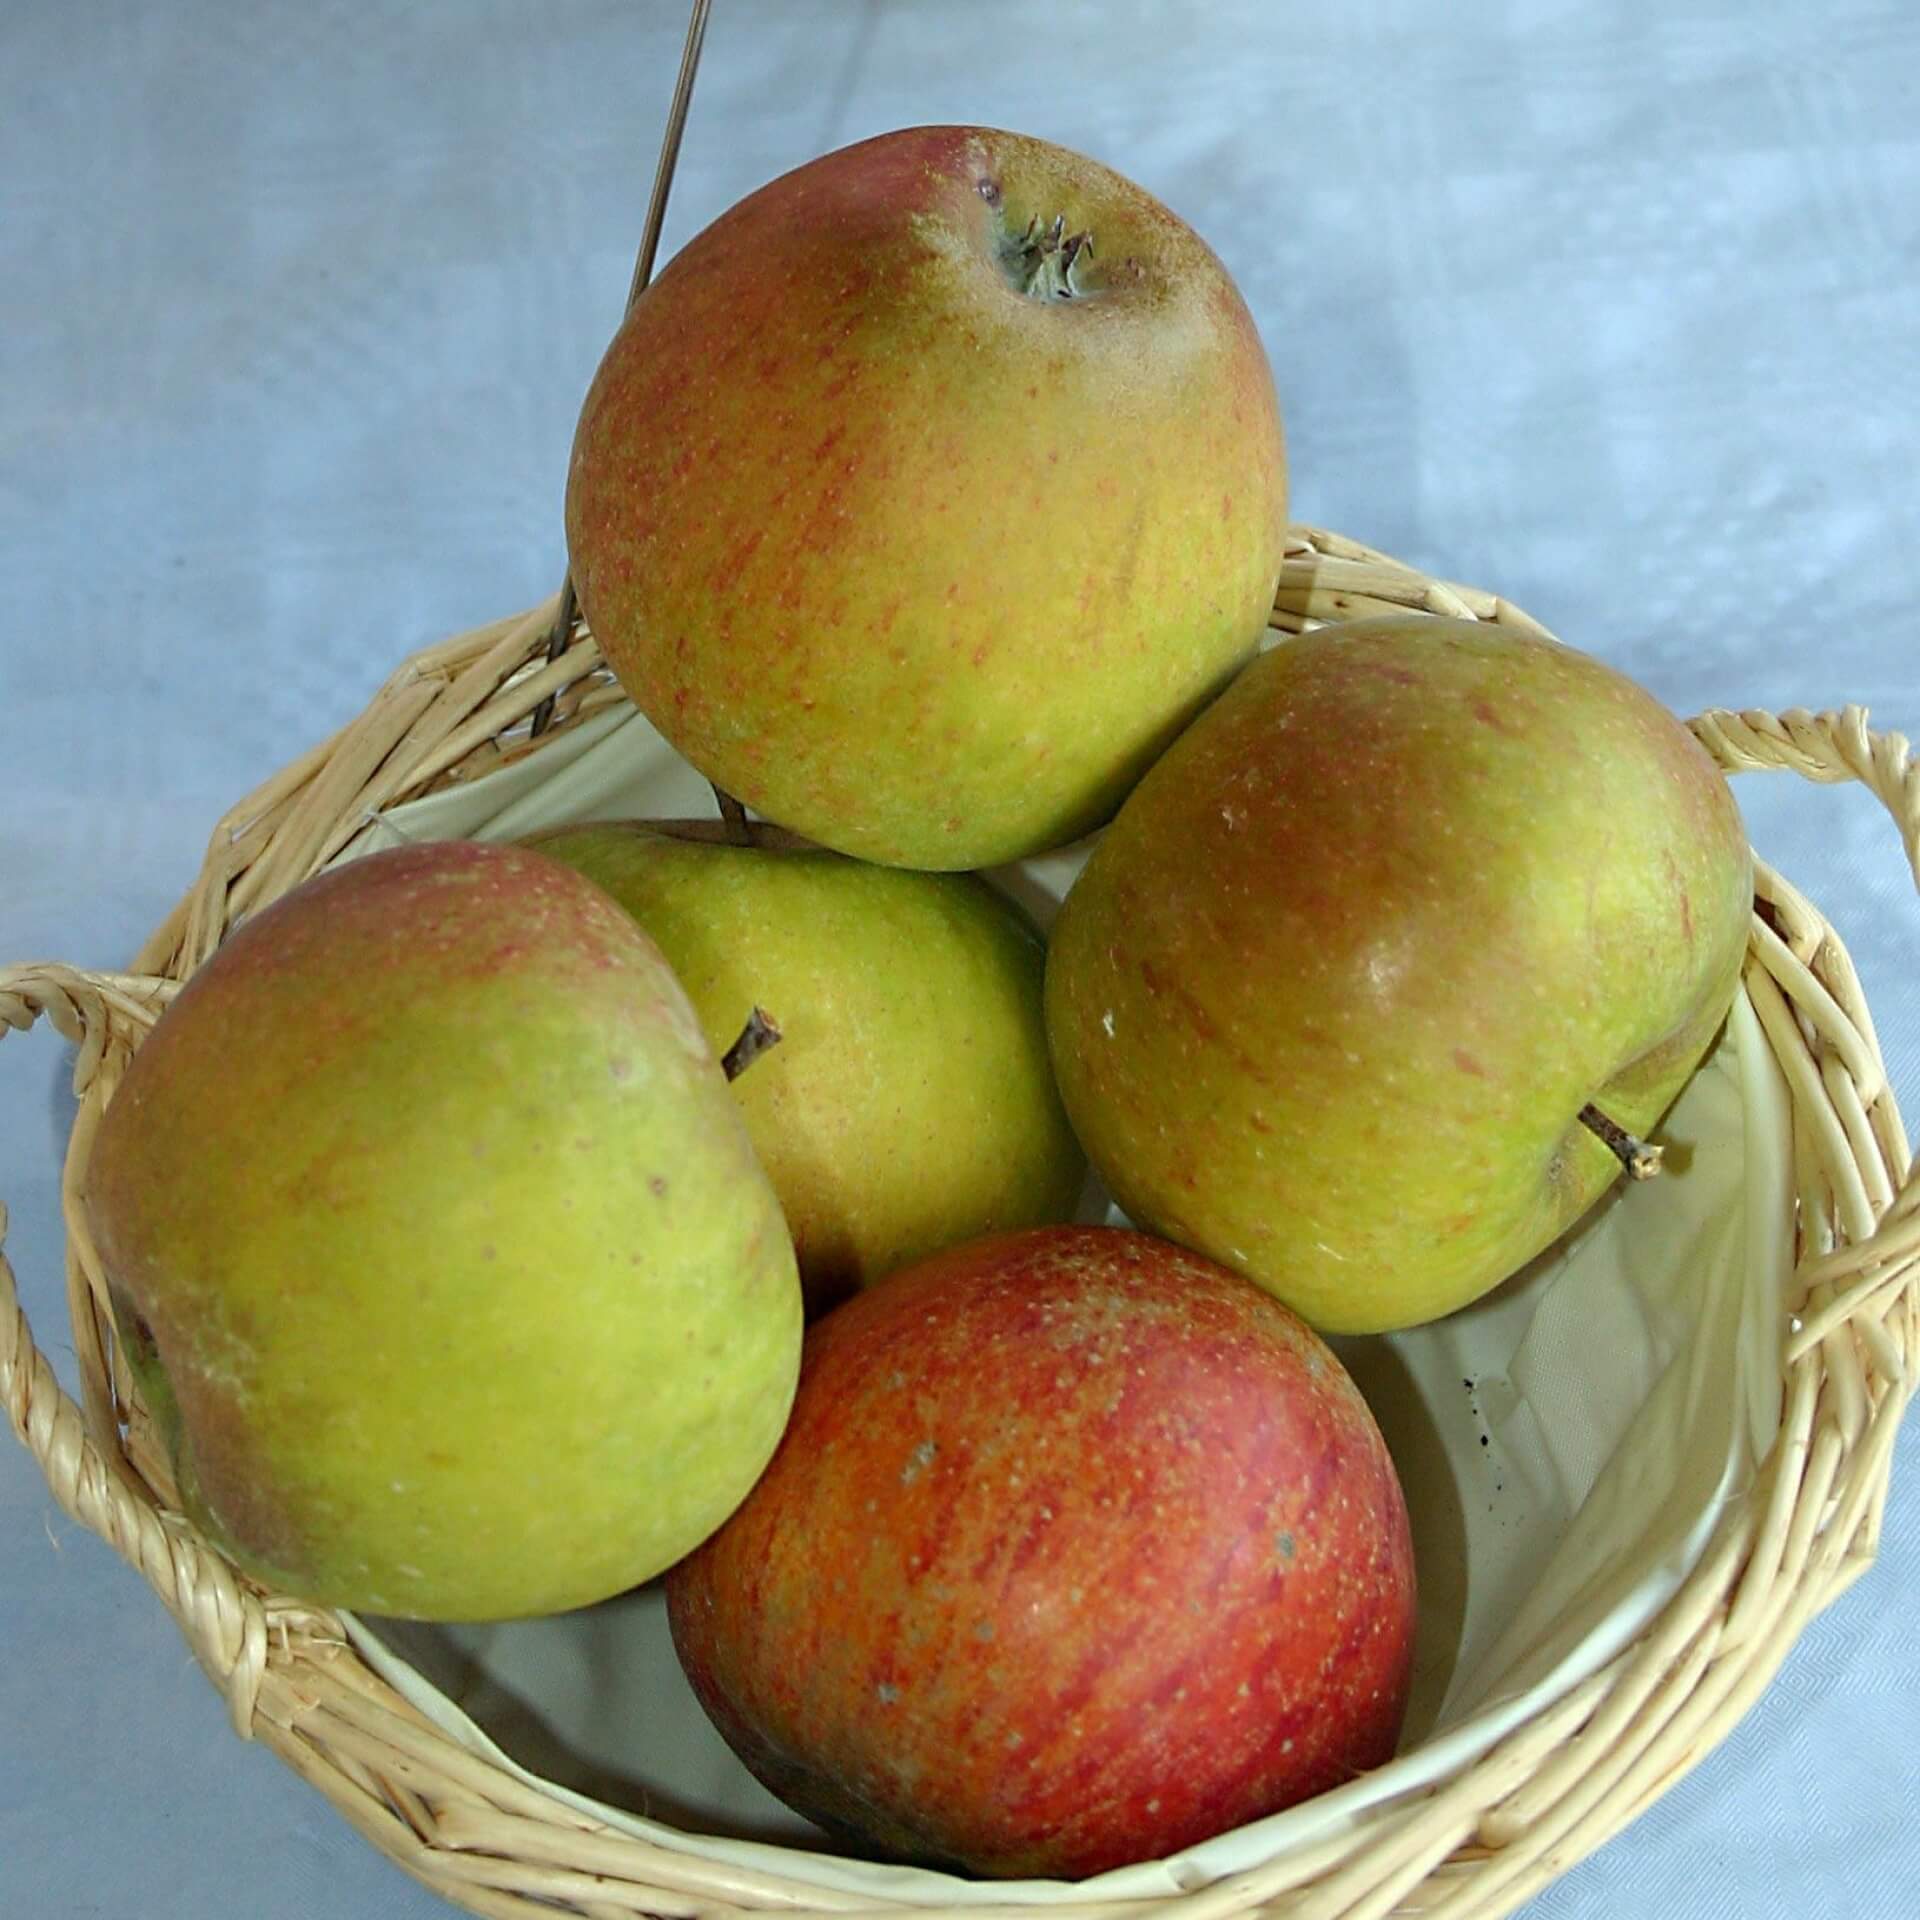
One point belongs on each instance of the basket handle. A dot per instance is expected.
(1841, 1081)
(228, 1625)
(1829, 748)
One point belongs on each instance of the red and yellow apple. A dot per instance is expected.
(438, 1247)
(1078, 1549)
(1332, 994)
(927, 493)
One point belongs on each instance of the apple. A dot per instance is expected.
(438, 1246)
(910, 1103)
(1333, 993)
(925, 496)
(1078, 1550)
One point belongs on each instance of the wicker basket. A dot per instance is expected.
(1480, 1842)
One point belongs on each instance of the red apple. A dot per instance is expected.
(926, 495)
(1077, 1550)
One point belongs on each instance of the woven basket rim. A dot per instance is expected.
(1539, 1800)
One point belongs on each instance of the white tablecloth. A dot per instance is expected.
(1607, 307)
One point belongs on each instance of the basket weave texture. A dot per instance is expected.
(1551, 1791)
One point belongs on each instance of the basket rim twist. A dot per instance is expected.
(1473, 1847)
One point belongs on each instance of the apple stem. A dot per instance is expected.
(739, 827)
(1641, 1160)
(758, 1036)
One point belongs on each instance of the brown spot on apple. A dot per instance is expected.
(1467, 1063)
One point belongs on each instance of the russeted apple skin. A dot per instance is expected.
(910, 1103)
(1077, 1551)
(437, 1241)
(1331, 991)
(914, 563)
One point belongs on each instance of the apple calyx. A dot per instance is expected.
(1045, 257)
(1640, 1158)
(760, 1035)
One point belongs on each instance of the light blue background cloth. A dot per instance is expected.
(1610, 308)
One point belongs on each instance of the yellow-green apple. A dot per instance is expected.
(910, 1104)
(926, 494)
(438, 1245)
(1078, 1550)
(1333, 993)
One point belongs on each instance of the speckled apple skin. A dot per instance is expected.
(1328, 997)
(910, 1104)
(439, 1247)
(919, 566)
(1078, 1549)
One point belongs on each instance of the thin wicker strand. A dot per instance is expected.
(1820, 1010)
(1879, 1178)
(1879, 1289)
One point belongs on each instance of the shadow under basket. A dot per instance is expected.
(1611, 1568)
